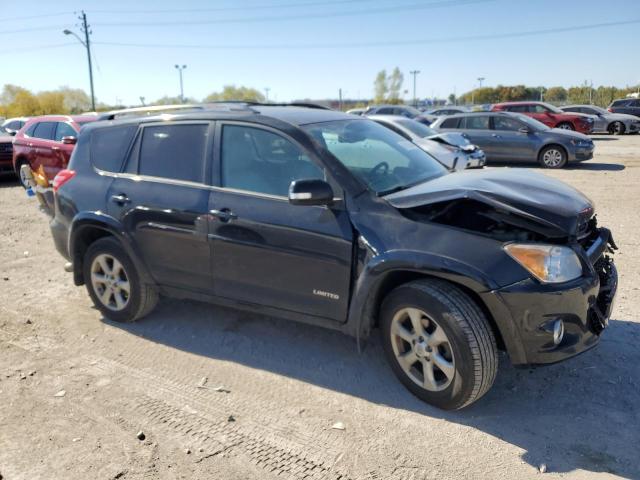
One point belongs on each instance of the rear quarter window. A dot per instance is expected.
(450, 123)
(110, 145)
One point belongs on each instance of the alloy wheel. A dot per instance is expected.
(110, 282)
(552, 158)
(422, 349)
(23, 178)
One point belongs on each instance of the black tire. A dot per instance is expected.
(19, 164)
(469, 335)
(565, 126)
(560, 158)
(616, 128)
(142, 298)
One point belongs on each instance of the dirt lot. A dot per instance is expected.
(274, 389)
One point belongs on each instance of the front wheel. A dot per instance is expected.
(616, 128)
(553, 157)
(439, 343)
(22, 177)
(114, 284)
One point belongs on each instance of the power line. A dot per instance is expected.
(31, 29)
(384, 43)
(261, 19)
(48, 15)
(39, 47)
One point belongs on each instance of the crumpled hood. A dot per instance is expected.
(555, 206)
(454, 139)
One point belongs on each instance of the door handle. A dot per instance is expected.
(55, 148)
(495, 135)
(224, 214)
(121, 199)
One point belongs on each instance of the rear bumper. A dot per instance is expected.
(524, 311)
(60, 234)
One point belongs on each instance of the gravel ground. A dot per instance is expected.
(222, 394)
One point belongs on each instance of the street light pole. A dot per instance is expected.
(473, 92)
(266, 94)
(180, 69)
(87, 44)
(415, 99)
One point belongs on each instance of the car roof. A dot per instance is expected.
(63, 118)
(291, 114)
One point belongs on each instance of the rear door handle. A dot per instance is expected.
(224, 214)
(121, 199)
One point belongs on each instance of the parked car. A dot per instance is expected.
(402, 110)
(356, 111)
(629, 106)
(512, 137)
(48, 142)
(452, 150)
(331, 219)
(12, 125)
(6, 153)
(439, 112)
(148, 110)
(549, 115)
(605, 121)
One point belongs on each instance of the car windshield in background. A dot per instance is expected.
(553, 108)
(413, 111)
(382, 159)
(598, 109)
(417, 128)
(532, 122)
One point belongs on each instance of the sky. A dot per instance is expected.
(312, 48)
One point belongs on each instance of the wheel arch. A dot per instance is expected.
(553, 144)
(91, 227)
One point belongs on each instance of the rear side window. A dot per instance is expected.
(635, 103)
(619, 103)
(476, 122)
(45, 130)
(450, 123)
(174, 151)
(517, 108)
(110, 145)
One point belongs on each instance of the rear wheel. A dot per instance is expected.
(439, 343)
(20, 173)
(565, 126)
(553, 156)
(616, 128)
(114, 284)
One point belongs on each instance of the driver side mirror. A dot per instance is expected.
(70, 140)
(12, 132)
(310, 192)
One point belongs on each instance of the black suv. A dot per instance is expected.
(630, 106)
(334, 220)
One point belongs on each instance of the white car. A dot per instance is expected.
(451, 149)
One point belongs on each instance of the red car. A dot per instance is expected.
(549, 115)
(48, 142)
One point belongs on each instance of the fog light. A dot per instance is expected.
(558, 332)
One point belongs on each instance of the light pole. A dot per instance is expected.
(473, 93)
(180, 69)
(266, 94)
(84, 28)
(415, 99)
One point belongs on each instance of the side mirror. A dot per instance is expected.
(524, 130)
(70, 140)
(12, 132)
(310, 192)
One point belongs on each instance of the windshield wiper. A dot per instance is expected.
(389, 191)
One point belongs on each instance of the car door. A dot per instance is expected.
(511, 144)
(41, 151)
(265, 250)
(542, 114)
(61, 152)
(162, 201)
(477, 128)
(599, 121)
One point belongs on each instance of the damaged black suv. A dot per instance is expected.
(334, 220)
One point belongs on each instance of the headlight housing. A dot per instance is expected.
(547, 263)
(580, 143)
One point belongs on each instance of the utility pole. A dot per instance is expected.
(340, 99)
(180, 69)
(85, 28)
(415, 99)
(266, 94)
(473, 93)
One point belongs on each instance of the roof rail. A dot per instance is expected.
(290, 104)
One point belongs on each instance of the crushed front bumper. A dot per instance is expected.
(524, 311)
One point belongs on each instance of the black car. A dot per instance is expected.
(630, 106)
(331, 219)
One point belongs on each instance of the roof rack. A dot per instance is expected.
(290, 104)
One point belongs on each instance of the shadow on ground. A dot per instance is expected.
(8, 180)
(595, 166)
(580, 414)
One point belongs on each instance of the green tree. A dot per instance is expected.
(51, 102)
(452, 98)
(76, 100)
(556, 95)
(380, 87)
(24, 104)
(395, 85)
(231, 92)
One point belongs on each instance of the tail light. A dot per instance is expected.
(62, 177)
(610, 109)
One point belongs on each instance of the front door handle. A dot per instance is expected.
(121, 199)
(55, 148)
(224, 214)
(495, 135)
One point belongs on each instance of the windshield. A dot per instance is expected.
(417, 128)
(552, 108)
(532, 122)
(382, 159)
(414, 112)
(598, 109)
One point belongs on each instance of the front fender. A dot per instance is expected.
(100, 220)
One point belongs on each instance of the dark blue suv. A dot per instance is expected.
(334, 220)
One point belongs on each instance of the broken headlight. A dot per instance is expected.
(547, 263)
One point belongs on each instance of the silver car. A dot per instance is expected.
(516, 138)
(452, 150)
(607, 122)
